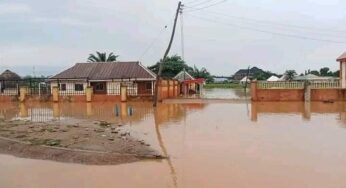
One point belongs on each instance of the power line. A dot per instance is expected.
(265, 31)
(205, 7)
(196, 3)
(182, 35)
(152, 43)
(271, 22)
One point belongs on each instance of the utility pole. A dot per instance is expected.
(165, 55)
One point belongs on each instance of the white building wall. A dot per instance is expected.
(343, 74)
(113, 88)
(70, 87)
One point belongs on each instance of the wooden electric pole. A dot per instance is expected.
(158, 77)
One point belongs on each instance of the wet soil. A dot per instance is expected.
(78, 141)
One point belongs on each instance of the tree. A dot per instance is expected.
(290, 74)
(336, 73)
(102, 57)
(203, 73)
(174, 64)
(314, 72)
(325, 71)
(171, 66)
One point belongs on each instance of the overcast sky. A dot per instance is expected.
(274, 35)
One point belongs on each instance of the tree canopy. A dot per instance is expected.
(172, 65)
(290, 74)
(102, 57)
(325, 71)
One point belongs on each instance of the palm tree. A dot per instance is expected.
(102, 57)
(290, 74)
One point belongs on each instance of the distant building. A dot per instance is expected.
(240, 74)
(244, 80)
(183, 75)
(220, 80)
(313, 77)
(273, 79)
(189, 84)
(9, 75)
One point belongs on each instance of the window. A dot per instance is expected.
(100, 87)
(78, 87)
(148, 86)
(62, 87)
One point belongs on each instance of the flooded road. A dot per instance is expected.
(226, 93)
(262, 145)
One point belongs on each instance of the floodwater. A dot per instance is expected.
(214, 145)
(225, 93)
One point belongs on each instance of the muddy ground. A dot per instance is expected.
(78, 141)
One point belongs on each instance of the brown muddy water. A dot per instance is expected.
(216, 145)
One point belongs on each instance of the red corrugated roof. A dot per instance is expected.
(106, 71)
(342, 57)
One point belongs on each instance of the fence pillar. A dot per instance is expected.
(23, 92)
(55, 92)
(123, 93)
(170, 88)
(254, 90)
(89, 93)
(23, 111)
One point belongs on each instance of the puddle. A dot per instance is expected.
(262, 145)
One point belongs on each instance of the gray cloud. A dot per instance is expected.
(64, 32)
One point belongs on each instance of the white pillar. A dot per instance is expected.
(343, 74)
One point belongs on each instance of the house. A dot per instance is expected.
(273, 79)
(9, 75)
(105, 78)
(221, 79)
(240, 74)
(182, 76)
(283, 78)
(312, 77)
(189, 84)
(9, 82)
(244, 80)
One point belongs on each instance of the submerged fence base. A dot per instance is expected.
(294, 91)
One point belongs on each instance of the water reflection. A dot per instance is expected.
(226, 93)
(306, 110)
(116, 113)
(125, 113)
(216, 140)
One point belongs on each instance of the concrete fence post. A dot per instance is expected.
(23, 92)
(55, 92)
(307, 92)
(254, 90)
(89, 93)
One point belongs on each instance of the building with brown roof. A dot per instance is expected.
(9, 75)
(106, 78)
